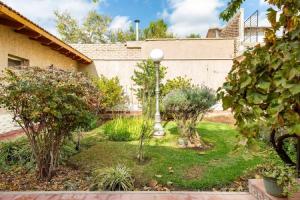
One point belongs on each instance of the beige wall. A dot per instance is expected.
(38, 55)
(205, 61)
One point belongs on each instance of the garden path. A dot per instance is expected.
(125, 196)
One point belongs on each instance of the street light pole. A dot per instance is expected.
(157, 56)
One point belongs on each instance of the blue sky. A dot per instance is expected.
(183, 16)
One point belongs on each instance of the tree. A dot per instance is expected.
(265, 86)
(144, 77)
(157, 29)
(49, 104)
(194, 35)
(93, 29)
(67, 27)
(188, 106)
(122, 36)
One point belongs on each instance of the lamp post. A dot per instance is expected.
(157, 55)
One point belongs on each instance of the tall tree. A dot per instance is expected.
(93, 29)
(157, 29)
(122, 36)
(67, 27)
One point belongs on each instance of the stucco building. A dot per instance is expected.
(22, 42)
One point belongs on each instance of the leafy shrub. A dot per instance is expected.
(16, 152)
(188, 106)
(284, 175)
(123, 129)
(176, 83)
(114, 179)
(49, 104)
(112, 92)
(145, 79)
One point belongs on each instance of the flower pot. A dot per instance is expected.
(272, 188)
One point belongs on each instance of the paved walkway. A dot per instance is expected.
(125, 196)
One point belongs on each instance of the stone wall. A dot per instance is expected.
(205, 61)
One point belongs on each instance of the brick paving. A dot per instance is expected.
(125, 196)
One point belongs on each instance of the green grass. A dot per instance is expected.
(193, 170)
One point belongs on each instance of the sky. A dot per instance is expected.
(183, 17)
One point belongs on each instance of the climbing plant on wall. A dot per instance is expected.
(264, 87)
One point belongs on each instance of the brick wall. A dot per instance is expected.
(232, 29)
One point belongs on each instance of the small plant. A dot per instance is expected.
(284, 176)
(178, 82)
(123, 129)
(188, 107)
(114, 179)
(16, 152)
(145, 79)
(112, 92)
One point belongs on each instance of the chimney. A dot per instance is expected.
(137, 22)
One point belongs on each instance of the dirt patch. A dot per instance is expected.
(194, 172)
(66, 178)
(226, 119)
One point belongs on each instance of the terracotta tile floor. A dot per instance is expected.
(124, 196)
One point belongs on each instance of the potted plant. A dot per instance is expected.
(280, 180)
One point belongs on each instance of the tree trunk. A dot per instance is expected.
(277, 144)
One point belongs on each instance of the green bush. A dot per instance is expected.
(16, 152)
(188, 107)
(123, 129)
(176, 83)
(112, 92)
(49, 104)
(114, 179)
(19, 153)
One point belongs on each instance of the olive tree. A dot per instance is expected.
(188, 106)
(49, 104)
(264, 87)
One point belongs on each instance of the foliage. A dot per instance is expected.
(176, 83)
(232, 8)
(265, 86)
(124, 129)
(114, 178)
(16, 153)
(112, 92)
(157, 29)
(194, 35)
(93, 29)
(49, 104)
(192, 170)
(145, 79)
(284, 175)
(123, 36)
(188, 107)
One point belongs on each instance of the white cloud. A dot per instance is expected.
(263, 3)
(41, 11)
(120, 23)
(193, 16)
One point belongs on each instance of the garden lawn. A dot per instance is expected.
(186, 169)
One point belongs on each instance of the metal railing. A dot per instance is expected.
(251, 28)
